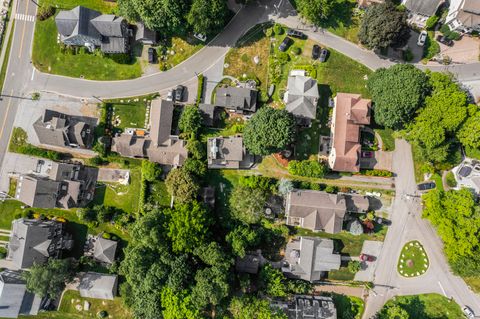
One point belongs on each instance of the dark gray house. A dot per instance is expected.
(308, 307)
(86, 27)
(35, 240)
(15, 300)
(301, 98)
(104, 250)
(144, 35)
(58, 129)
(65, 186)
(238, 99)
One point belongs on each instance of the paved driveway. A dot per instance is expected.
(371, 248)
(381, 160)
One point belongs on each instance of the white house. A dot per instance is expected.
(464, 15)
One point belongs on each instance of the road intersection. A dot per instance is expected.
(22, 79)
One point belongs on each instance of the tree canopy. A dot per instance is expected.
(397, 92)
(49, 279)
(190, 120)
(207, 17)
(383, 25)
(316, 11)
(182, 185)
(242, 238)
(247, 307)
(151, 171)
(269, 131)
(247, 204)
(469, 132)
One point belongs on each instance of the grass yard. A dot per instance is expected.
(8, 210)
(308, 141)
(428, 306)
(183, 48)
(437, 178)
(342, 274)
(348, 307)
(344, 242)
(158, 194)
(129, 112)
(386, 134)
(473, 283)
(413, 260)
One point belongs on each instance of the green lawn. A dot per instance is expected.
(129, 112)
(437, 178)
(387, 138)
(8, 210)
(183, 48)
(48, 55)
(348, 307)
(342, 274)
(428, 306)
(413, 260)
(308, 141)
(344, 242)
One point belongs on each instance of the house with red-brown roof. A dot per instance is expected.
(350, 114)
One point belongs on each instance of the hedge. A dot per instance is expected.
(200, 89)
(308, 168)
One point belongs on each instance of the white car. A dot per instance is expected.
(170, 95)
(201, 37)
(468, 312)
(422, 38)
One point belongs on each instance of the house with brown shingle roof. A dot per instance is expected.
(321, 211)
(228, 152)
(350, 114)
(464, 15)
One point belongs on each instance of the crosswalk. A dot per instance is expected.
(24, 17)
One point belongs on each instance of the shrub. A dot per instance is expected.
(431, 22)
(331, 189)
(258, 182)
(296, 50)
(282, 57)
(106, 235)
(377, 172)
(278, 29)
(45, 11)
(431, 48)
(408, 55)
(450, 179)
(308, 168)
(269, 32)
(354, 266)
(200, 89)
(96, 161)
(244, 58)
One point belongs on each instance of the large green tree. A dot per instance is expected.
(207, 17)
(383, 25)
(317, 11)
(247, 307)
(469, 132)
(49, 279)
(182, 185)
(397, 92)
(268, 131)
(247, 204)
(211, 286)
(151, 171)
(190, 120)
(178, 305)
(242, 238)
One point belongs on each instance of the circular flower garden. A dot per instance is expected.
(413, 260)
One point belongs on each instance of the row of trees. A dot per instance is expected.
(177, 16)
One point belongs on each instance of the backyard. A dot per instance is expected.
(428, 306)
(129, 112)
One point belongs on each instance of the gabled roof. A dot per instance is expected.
(161, 116)
(108, 25)
(469, 13)
(208, 113)
(14, 297)
(104, 250)
(77, 22)
(237, 98)
(129, 145)
(228, 152)
(423, 7)
(37, 191)
(302, 96)
(99, 286)
(145, 34)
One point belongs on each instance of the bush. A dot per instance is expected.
(106, 235)
(431, 48)
(45, 11)
(308, 168)
(354, 266)
(244, 58)
(278, 29)
(452, 35)
(200, 89)
(296, 50)
(96, 161)
(431, 22)
(377, 172)
(450, 179)
(331, 189)
(408, 55)
(258, 182)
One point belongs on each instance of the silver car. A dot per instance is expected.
(468, 312)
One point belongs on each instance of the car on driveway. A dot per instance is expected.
(170, 95)
(201, 37)
(426, 186)
(383, 221)
(365, 257)
(444, 40)
(315, 51)
(468, 312)
(285, 44)
(367, 154)
(323, 55)
(151, 55)
(179, 93)
(422, 38)
(296, 34)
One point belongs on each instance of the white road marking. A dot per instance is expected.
(441, 287)
(24, 17)
(33, 74)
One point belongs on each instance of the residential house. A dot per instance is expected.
(98, 286)
(309, 258)
(321, 211)
(308, 307)
(420, 10)
(228, 152)
(464, 16)
(209, 113)
(160, 146)
(86, 27)
(350, 114)
(63, 130)
(58, 185)
(15, 300)
(145, 36)
(302, 96)
(35, 241)
(104, 250)
(238, 99)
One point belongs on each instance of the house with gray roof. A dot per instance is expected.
(60, 185)
(35, 241)
(104, 250)
(321, 211)
(160, 146)
(63, 130)
(209, 113)
(144, 35)
(308, 307)
(238, 99)
(98, 286)
(228, 152)
(463, 15)
(301, 97)
(309, 258)
(86, 27)
(420, 10)
(15, 300)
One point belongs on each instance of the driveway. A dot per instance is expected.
(381, 160)
(467, 50)
(371, 248)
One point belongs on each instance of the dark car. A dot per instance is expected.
(365, 257)
(444, 40)
(426, 186)
(179, 93)
(296, 34)
(367, 154)
(383, 221)
(323, 55)
(151, 55)
(285, 44)
(315, 51)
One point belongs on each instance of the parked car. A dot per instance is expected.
(468, 312)
(365, 257)
(151, 55)
(315, 51)
(323, 55)
(170, 95)
(426, 186)
(444, 40)
(201, 37)
(285, 44)
(422, 38)
(383, 221)
(296, 34)
(367, 154)
(179, 93)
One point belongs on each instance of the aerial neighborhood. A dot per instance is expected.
(269, 159)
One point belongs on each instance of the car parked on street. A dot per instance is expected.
(444, 40)
(151, 55)
(383, 221)
(426, 186)
(422, 38)
(285, 44)
(315, 51)
(323, 55)
(296, 34)
(468, 312)
(179, 93)
(365, 257)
